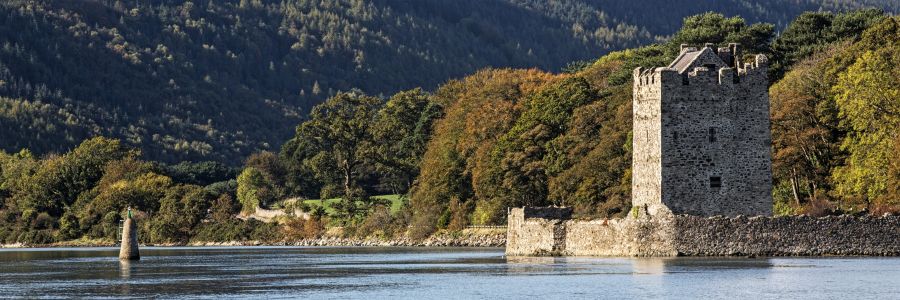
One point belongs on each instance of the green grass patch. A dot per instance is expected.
(395, 200)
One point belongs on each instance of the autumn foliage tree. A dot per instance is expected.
(868, 100)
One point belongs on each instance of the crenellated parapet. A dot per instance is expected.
(649, 77)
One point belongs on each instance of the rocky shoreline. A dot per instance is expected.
(467, 238)
(464, 239)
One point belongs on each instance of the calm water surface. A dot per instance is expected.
(390, 273)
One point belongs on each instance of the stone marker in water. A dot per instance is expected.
(129, 249)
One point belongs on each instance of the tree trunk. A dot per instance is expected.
(795, 187)
(347, 173)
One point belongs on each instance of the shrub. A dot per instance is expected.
(36, 237)
(43, 221)
(378, 223)
(300, 228)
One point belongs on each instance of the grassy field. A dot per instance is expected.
(395, 200)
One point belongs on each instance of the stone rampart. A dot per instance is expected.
(684, 235)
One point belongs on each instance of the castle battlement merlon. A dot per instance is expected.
(706, 65)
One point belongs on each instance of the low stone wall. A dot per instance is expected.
(781, 236)
(531, 234)
(619, 237)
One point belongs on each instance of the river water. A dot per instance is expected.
(429, 273)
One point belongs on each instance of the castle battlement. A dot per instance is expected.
(740, 73)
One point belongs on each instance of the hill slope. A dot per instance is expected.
(218, 79)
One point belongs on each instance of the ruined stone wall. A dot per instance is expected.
(533, 233)
(648, 235)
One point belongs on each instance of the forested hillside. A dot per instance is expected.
(220, 79)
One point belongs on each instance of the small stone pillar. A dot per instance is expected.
(129, 249)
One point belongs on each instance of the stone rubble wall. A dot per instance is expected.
(685, 235)
(788, 236)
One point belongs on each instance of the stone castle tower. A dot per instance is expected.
(701, 135)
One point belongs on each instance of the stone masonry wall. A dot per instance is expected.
(684, 235)
(534, 234)
(619, 237)
(781, 236)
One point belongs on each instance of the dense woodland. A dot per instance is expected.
(220, 79)
(497, 138)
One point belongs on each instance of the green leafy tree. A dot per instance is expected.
(142, 193)
(519, 159)
(59, 181)
(253, 190)
(338, 133)
(273, 169)
(300, 179)
(805, 139)
(400, 132)
(813, 32)
(868, 96)
(718, 29)
(14, 170)
(200, 173)
(180, 212)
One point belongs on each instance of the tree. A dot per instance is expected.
(813, 32)
(716, 28)
(300, 179)
(200, 173)
(592, 160)
(400, 132)
(224, 209)
(14, 170)
(272, 168)
(868, 97)
(59, 181)
(253, 190)
(519, 160)
(478, 110)
(339, 136)
(805, 139)
(181, 210)
(142, 193)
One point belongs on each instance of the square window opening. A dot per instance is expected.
(715, 181)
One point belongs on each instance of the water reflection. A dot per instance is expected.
(391, 273)
(125, 269)
(654, 266)
(657, 266)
